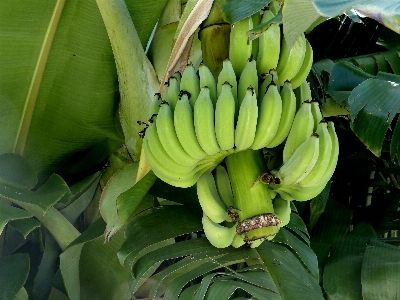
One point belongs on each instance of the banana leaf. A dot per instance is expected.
(58, 83)
(386, 12)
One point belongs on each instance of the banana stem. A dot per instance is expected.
(252, 198)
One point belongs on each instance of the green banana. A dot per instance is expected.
(255, 43)
(290, 60)
(224, 186)
(218, 235)
(263, 88)
(302, 128)
(178, 76)
(225, 118)
(210, 200)
(248, 78)
(282, 210)
(239, 47)
(303, 93)
(184, 128)
(190, 83)
(301, 162)
(270, 46)
(288, 114)
(171, 94)
(305, 68)
(247, 121)
(169, 140)
(269, 118)
(299, 193)
(237, 241)
(227, 74)
(275, 78)
(325, 148)
(316, 112)
(159, 152)
(274, 7)
(167, 175)
(204, 122)
(207, 80)
(334, 154)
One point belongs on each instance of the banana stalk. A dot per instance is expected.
(253, 200)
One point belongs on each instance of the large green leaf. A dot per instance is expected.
(90, 268)
(380, 273)
(298, 16)
(236, 10)
(346, 258)
(14, 271)
(58, 90)
(291, 278)
(386, 12)
(373, 105)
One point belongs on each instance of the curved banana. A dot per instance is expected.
(288, 113)
(227, 74)
(334, 154)
(184, 128)
(204, 122)
(305, 68)
(269, 46)
(239, 48)
(282, 210)
(190, 83)
(302, 128)
(247, 121)
(290, 60)
(325, 148)
(171, 94)
(237, 241)
(275, 78)
(169, 140)
(248, 78)
(301, 162)
(303, 93)
(316, 112)
(269, 118)
(169, 175)
(255, 43)
(159, 152)
(224, 186)
(299, 193)
(225, 118)
(263, 87)
(219, 236)
(210, 200)
(178, 76)
(207, 80)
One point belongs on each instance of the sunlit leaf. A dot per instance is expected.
(298, 16)
(236, 10)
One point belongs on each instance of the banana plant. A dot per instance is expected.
(174, 229)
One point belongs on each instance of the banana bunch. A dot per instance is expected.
(309, 157)
(273, 53)
(201, 121)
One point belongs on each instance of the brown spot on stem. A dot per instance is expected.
(259, 221)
